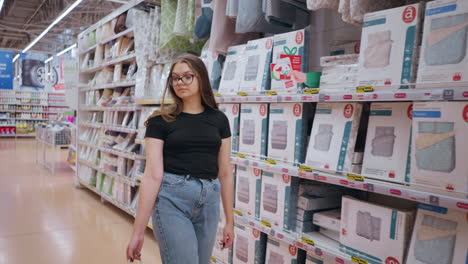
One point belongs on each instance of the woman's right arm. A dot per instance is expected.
(149, 189)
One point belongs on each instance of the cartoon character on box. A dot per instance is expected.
(288, 67)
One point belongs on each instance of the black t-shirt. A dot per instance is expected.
(192, 142)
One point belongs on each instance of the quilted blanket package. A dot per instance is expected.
(249, 245)
(248, 184)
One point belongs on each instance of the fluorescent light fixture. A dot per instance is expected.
(16, 57)
(49, 59)
(1, 4)
(66, 50)
(58, 19)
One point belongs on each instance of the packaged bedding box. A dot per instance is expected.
(256, 75)
(387, 151)
(232, 70)
(439, 151)
(334, 135)
(439, 236)
(283, 253)
(249, 245)
(222, 255)
(389, 46)
(444, 47)
(374, 233)
(214, 64)
(232, 112)
(248, 187)
(288, 126)
(253, 130)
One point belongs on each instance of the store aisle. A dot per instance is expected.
(44, 219)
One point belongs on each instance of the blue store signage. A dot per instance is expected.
(6, 70)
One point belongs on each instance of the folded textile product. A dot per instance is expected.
(389, 46)
(439, 236)
(339, 73)
(249, 245)
(221, 255)
(288, 126)
(279, 199)
(289, 61)
(214, 64)
(250, 18)
(330, 219)
(232, 8)
(256, 76)
(333, 136)
(387, 151)
(353, 11)
(253, 129)
(232, 112)
(248, 187)
(233, 69)
(279, 252)
(444, 44)
(374, 233)
(438, 156)
(203, 19)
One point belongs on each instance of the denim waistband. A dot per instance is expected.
(188, 176)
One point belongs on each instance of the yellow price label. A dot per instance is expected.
(312, 91)
(265, 223)
(217, 95)
(305, 169)
(240, 155)
(213, 260)
(238, 213)
(270, 93)
(358, 260)
(270, 161)
(355, 177)
(365, 89)
(242, 94)
(307, 241)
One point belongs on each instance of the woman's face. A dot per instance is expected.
(184, 81)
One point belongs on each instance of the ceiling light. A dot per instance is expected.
(61, 53)
(58, 19)
(1, 5)
(49, 59)
(16, 57)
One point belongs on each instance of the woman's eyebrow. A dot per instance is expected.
(182, 74)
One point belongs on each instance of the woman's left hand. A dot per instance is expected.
(228, 237)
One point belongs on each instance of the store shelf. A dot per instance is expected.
(88, 164)
(73, 167)
(26, 135)
(121, 206)
(410, 192)
(132, 156)
(30, 111)
(121, 59)
(7, 118)
(106, 86)
(93, 108)
(86, 144)
(92, 188)
(120, 129)
(88, 49)
(2, 103)
(33, 119)
(91, 124)
(123, 178)
(26, 104)
(150, 101)
(116, 36)
(5, 135)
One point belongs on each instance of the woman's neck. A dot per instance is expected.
(193, 106)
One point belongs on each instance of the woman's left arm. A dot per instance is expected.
(226, 178)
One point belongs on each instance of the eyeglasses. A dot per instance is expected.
(186, 79)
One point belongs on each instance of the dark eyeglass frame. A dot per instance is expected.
(174, 80)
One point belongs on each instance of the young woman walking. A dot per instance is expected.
(188, 146)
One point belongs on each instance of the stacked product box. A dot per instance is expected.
(232, 112)
(249, 245)
(253, 130)
(281, 252)
(256, 76)
(248, 187)
(232, 70)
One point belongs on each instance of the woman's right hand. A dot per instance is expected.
(134, 248)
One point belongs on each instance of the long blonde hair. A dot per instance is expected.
(169, 112)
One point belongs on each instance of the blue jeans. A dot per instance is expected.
(185, 219)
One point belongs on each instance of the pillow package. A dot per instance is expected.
(439, 236)
(248, 185)
(387, 151)
(253, 130)
(249, 245)
(444, 45)
(214, 64)
(389, 46)
(279, 252)
(438, 156)
(232, 112)
(256, 76)
(232, 70)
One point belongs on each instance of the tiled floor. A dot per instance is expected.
(44, 219)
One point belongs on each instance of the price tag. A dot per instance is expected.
(270, 161)
(358, 260)
(240, 155)
(242, 94)
(213, 260)
(365, 89)
(307, 241)
(238, 213)
(270, 93)
(265, 223)
(217, 95)
(312, 91)
(305, 169)
(355, 177)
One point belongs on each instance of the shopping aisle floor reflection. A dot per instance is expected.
(44, 219)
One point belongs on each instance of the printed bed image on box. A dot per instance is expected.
(289, 58)
(444, 47)
(389, 46)
(333, 136)
(214, 64)
(256, 75)
(439, 150)
(279, 199)
(314, 258)
(248, 187)
(249, 245)
(253, 129)
(288, 126)
(279, 252)
(439, 236)
(221, 255)
(233, 69)
(372, 232)
(387, 152)
(232, 112)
